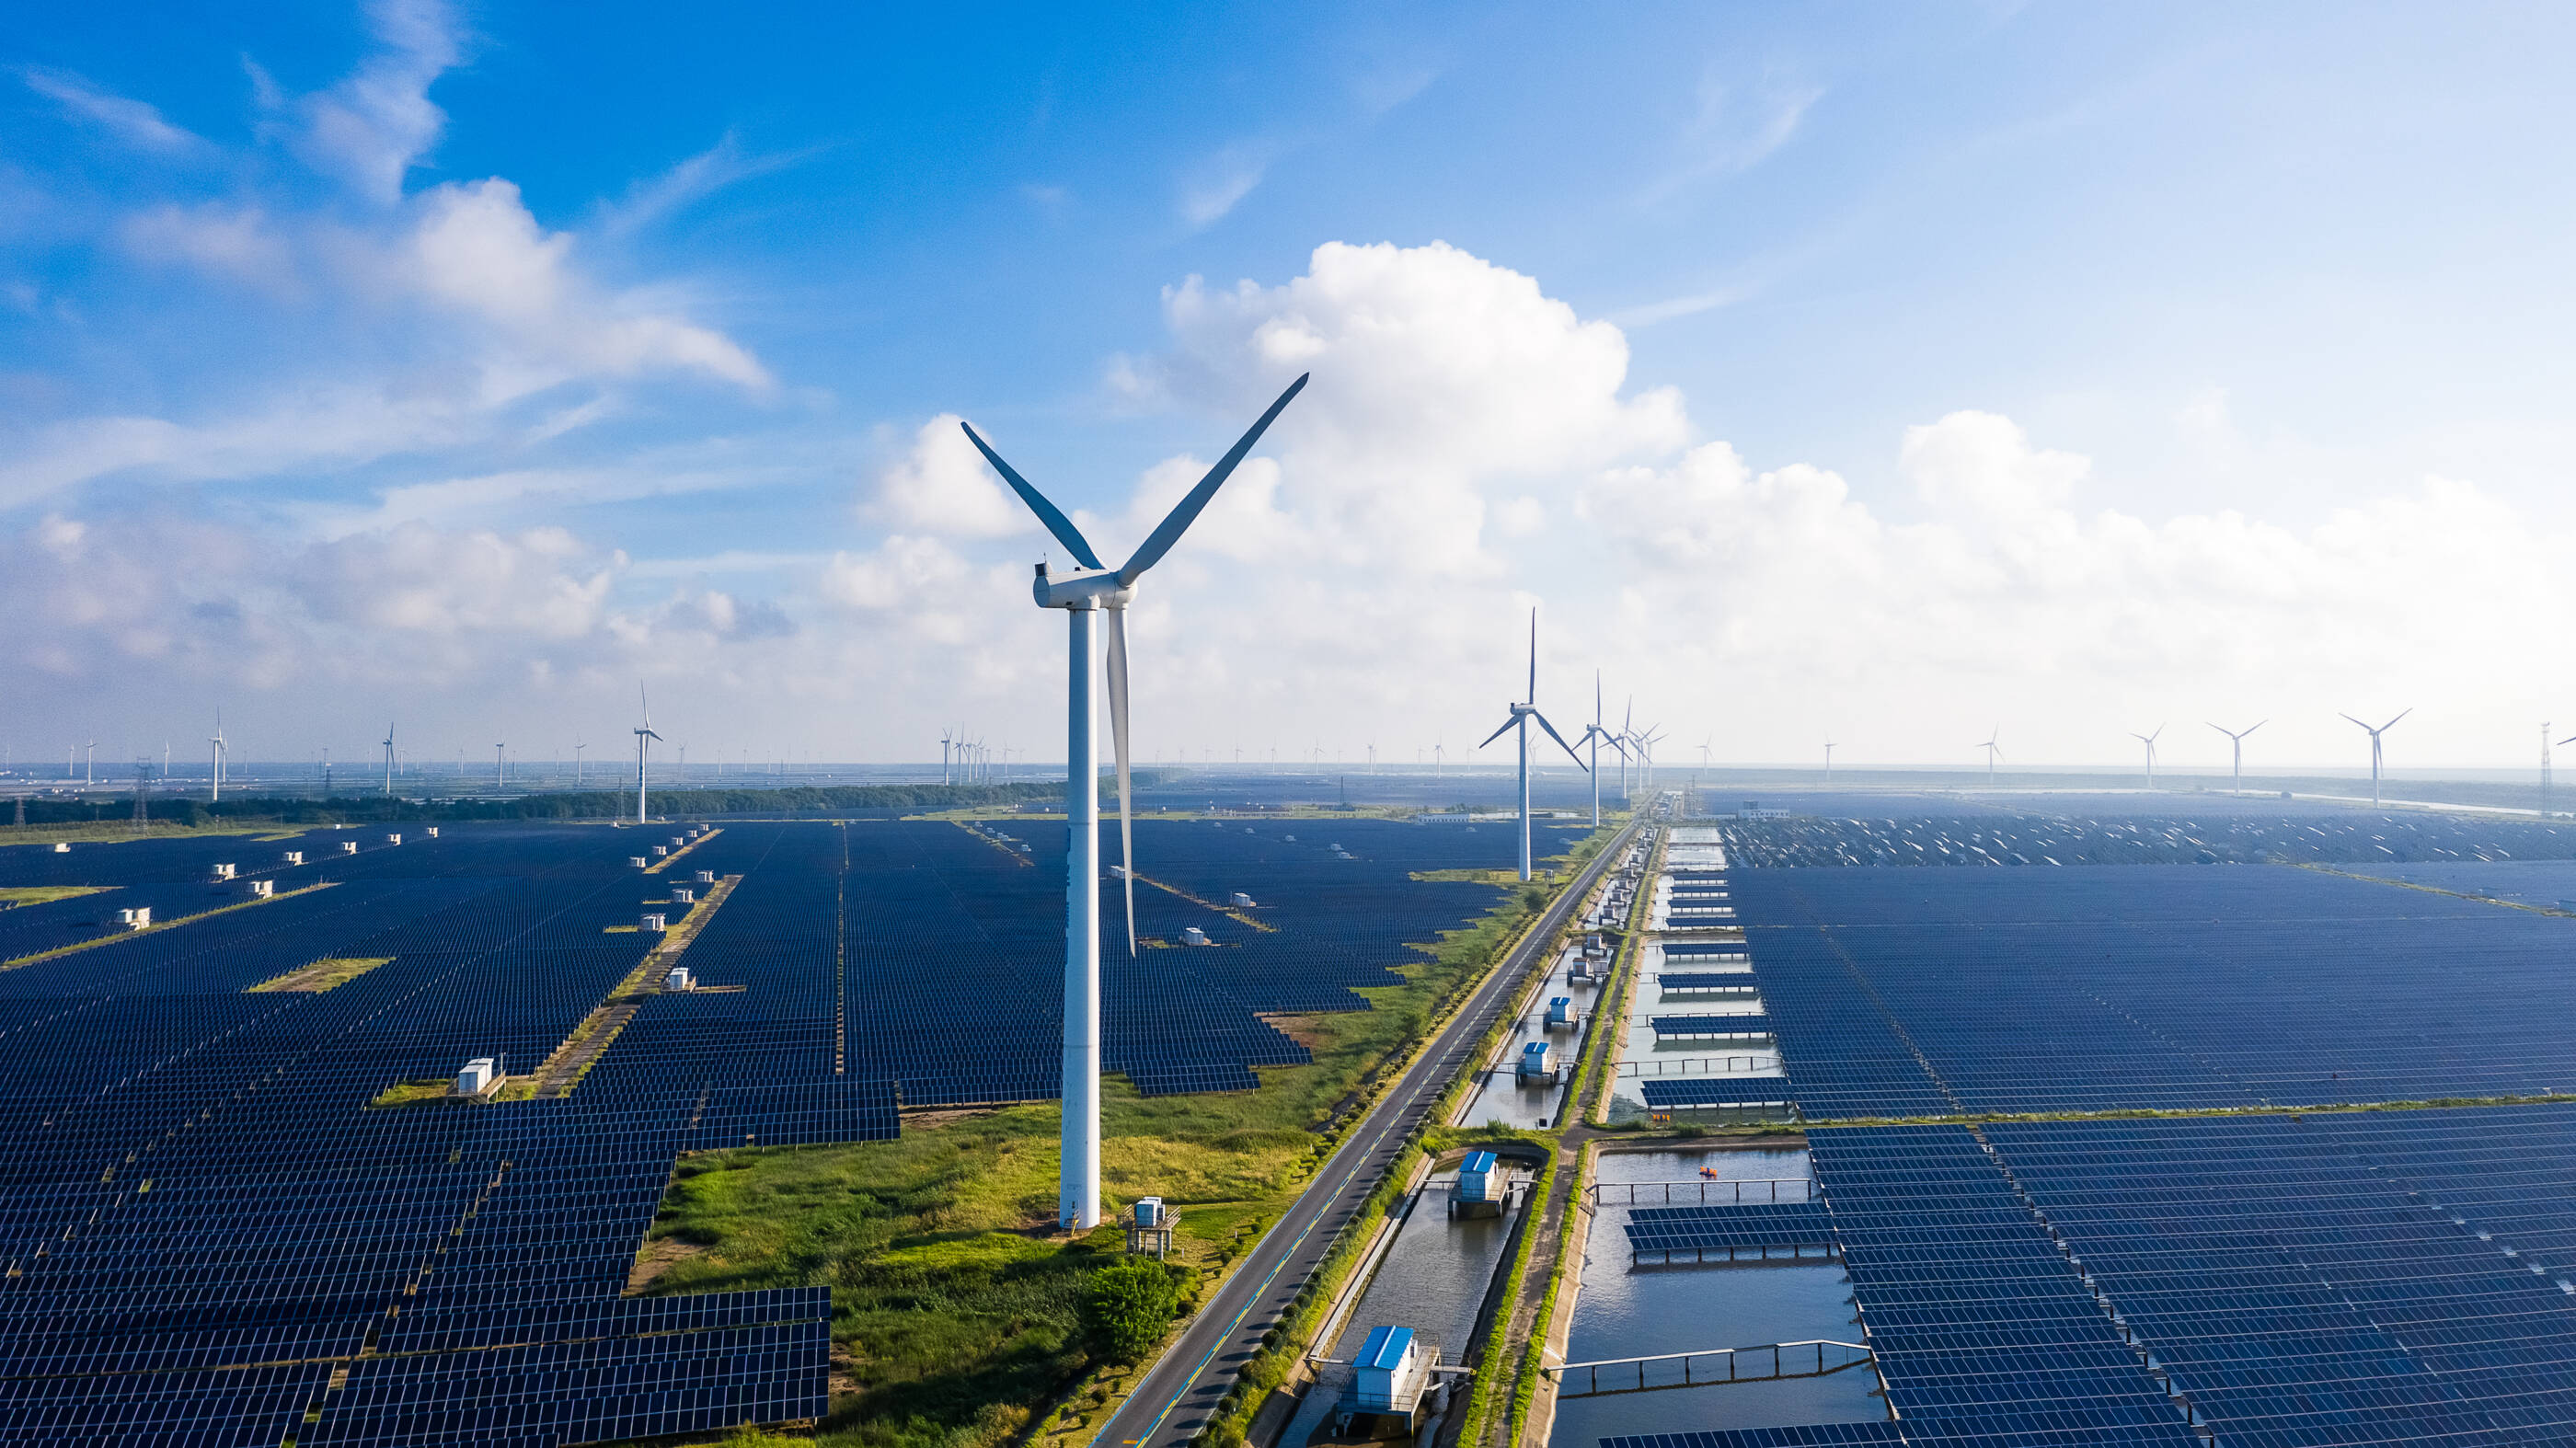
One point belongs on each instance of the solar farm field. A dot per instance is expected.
(2198, 834)
(233, 1213)
(2197, 1154)
(1912, 992)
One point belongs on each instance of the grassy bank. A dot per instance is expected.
(957, 1310)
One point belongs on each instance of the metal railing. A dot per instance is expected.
(1713, 1066)
(1809, 1359)
(1725, 1191)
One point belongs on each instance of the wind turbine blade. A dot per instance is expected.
(1118, 745)
(1533, 683)
(1054, 519)
(1178, 521)
(2356, 721)
(2257, 724)
(1499, 733)
(2402, 713)
(1559, 738)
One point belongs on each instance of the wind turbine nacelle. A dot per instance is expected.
(1082, 588)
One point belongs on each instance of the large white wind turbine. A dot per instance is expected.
(2150, 741)
(389, 759)
(1522, 713)
(1083, 593)
(215, 747)
(1829, 762)
(2374, 747)
(644, 738)
(1994, 751)
(2236, 747)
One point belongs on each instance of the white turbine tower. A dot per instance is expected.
(389, 759)
(2374, 748)
(1994, 751)
(1522, 713)
(1829, 762)
(2150, 741)
(1084, 593)
(644, 737)
(215, 747)
(2236, 748)
(2544, 767)
(1595, 736)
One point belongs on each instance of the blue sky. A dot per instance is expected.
(1883, 371)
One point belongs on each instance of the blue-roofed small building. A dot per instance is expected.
(1390, 1385)
(1538, 1065)
(1481, 1187)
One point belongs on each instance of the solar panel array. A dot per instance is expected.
(208, 1233)
(2296, 1278)
(2198, 836)
(956, 943)
(204, 1221)
(1907, 993)
(1757, 1227)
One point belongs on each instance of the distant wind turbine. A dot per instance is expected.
(644, 739)
(215, 747)
(1829, 761)
(2236, 747)
(1595, 736)
(2374, 748)
(2544, 767)
(1994, 751)
(2150, 741)
(389, 759)
(1084, 593)
(1522, 713)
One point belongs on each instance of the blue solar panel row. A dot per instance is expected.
(1664, 1232)
(2150, 986)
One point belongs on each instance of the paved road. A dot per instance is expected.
(1180, 1391)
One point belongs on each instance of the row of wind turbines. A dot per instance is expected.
(2236, 749)
(219, 750)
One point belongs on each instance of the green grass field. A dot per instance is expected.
(956, 1307)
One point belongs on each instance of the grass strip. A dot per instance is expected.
(1491, 1385)
(46, 894)
(158, 925)
(321, 975)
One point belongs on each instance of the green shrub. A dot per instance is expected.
(1130, 1305)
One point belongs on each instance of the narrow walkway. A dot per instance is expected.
(563, 1069)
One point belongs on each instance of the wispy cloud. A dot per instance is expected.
(691, 181)
(373, 126)
(1735, 127)
(1224, 179)
(1682, 306)
(135, 122)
